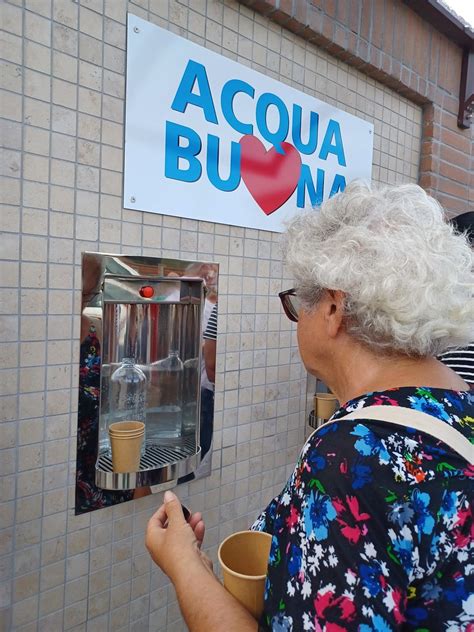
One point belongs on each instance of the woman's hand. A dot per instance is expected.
(172, 542)
(175, 545)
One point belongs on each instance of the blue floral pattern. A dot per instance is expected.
(374, 529)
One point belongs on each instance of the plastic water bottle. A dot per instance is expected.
(127, 394)
(164, 417)
(192, 369)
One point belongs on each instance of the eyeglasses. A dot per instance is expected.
(291, 304)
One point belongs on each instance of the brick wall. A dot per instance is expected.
(388, 41)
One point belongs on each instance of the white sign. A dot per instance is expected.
(207, 138)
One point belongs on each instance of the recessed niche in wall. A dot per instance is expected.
(146, 391)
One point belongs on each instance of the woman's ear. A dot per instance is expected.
(335, 312)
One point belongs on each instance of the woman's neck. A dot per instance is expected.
(363, 372)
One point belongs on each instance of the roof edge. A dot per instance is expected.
(439, 16)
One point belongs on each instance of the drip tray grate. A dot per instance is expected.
(158, 465)
(155, 456)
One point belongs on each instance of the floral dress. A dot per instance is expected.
(374, 528)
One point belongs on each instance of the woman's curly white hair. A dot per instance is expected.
(407, 277)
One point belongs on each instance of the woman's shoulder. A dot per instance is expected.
(455, 408)
(377, 450)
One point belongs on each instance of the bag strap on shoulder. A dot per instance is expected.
(409, 418)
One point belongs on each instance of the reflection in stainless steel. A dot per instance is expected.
(151, 331)
(150, 310)
(315, 422)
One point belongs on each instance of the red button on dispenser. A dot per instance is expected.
(147, 291)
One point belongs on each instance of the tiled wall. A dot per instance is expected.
(62, 129)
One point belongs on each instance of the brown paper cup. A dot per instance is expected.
(244, 559)
(126, 428)
(126, 444)
(325, 405)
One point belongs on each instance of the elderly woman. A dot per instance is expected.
(372, 529)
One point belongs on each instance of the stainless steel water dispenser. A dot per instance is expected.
(140, 360)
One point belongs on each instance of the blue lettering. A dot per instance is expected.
(233, 180)
(339, 184)
(306, 182)
(174, 152)
(230, 89)
(275, 138)
(310, 147)
(195, 73)
(333, 132)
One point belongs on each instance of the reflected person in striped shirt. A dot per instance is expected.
(462, 360)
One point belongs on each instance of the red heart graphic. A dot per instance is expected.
(270, 177)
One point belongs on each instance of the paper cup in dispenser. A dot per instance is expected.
(126, 439)
(325, 405)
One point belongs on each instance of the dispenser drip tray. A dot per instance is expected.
(160, 464)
